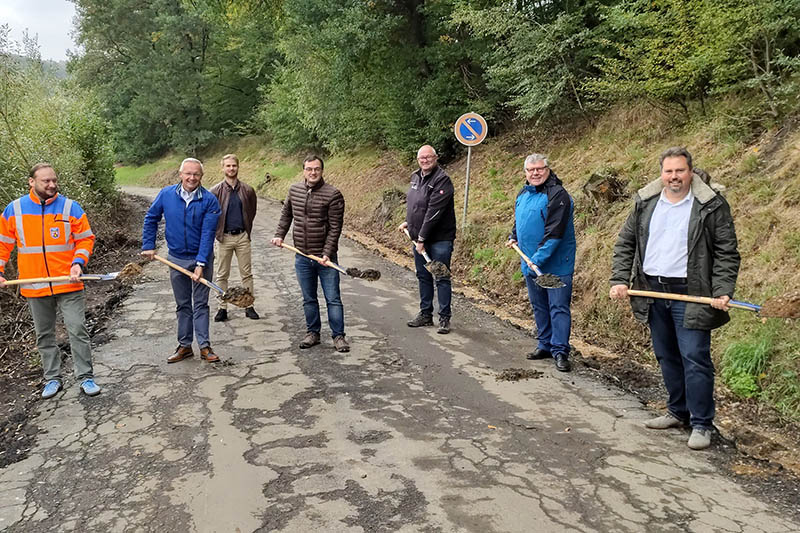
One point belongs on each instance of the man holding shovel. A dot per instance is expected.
(238, 202)
(544, 231)
(316, 209)
(431, 223)
(190, 213)
(53, 238)
(680, 239)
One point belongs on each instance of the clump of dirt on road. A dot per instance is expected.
(118, 243)
(516, 374)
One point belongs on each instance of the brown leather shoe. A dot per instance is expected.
(181, 353)
(207, 354)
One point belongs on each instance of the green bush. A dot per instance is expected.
(744, 362)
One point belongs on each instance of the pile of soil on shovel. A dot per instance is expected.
(368, 274)
(786, 306)
(238, 296)
(516, 374)
(438, 269)
(549, 281)
(118, 243)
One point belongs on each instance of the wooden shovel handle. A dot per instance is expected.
(526, 259)
(313, 257)
(36, 280)
(687, 298)
(179, 268)
(50, 279)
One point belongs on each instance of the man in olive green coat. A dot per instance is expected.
(680, 238)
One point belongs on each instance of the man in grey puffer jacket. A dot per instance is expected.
(680, 238)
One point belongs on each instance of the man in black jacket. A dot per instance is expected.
(680, 238)
(431, 221)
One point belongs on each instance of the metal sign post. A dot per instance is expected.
(470, 130)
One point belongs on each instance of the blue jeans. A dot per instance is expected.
(191, 302)
(685, 359)
(308, 271)
(552, 314)
(438, 251)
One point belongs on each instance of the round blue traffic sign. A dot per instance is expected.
(470, 129)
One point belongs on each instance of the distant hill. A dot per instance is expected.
(57, 69)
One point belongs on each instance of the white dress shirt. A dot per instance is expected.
(187, 196)
(667, 249)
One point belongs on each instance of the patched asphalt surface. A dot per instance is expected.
(410, 431)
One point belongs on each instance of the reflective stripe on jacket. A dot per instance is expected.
(50, 237)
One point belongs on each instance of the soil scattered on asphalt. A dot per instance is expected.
(516, 374)
(238, 296)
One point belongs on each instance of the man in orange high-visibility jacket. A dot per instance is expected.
(53, 238)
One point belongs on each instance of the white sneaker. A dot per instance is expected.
(700, 439)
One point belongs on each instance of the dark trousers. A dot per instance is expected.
(438, 251)
(191, 302)
(685, 359)
(552, 314)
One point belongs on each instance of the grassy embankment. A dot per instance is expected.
(757, 359)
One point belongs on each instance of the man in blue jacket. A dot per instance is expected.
(544, 230)
(190, 212)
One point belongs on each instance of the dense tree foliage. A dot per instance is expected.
(394, 73)
(42, 119)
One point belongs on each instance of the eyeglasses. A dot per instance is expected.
(537, 170)
(192, 174)
(426, 157)
(313, 169)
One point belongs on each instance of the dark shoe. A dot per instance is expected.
(221, 316)
(311, 339)
(251, 313)
(444, 326)
(421, 320)
(562, 362)
(341, 344)
(539, 354)
(664, 422)
(181, 353)
(207, 354)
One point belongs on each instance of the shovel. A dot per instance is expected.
(368, 274)
(84, 277)
(787, 306)
(238, 296)
(545, 281)
(437, 269)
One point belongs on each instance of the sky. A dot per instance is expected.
(50, 19)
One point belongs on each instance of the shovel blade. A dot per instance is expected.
(100, 277)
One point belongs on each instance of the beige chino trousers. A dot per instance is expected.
(240, 246)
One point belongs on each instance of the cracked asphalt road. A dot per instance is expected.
(410, 431)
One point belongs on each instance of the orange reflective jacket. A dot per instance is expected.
(50, 238)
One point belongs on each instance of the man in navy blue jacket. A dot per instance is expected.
(431, 222)
(190, 213)
(544, 230)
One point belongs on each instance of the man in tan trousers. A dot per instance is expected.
(238, 202)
